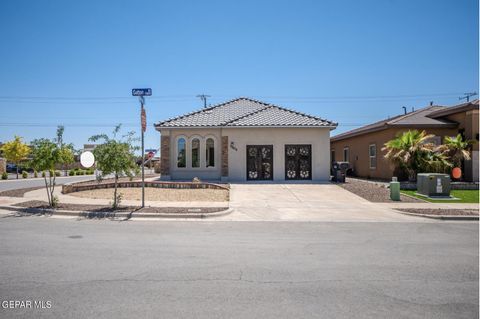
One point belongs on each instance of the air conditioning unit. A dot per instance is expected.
(433, 185)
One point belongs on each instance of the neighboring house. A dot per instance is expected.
(362, 147)
(245, 140)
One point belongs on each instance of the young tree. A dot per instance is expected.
(456, 149)
(410, 151)
(66, 150)
(116, 156)
(16, 151)
(46, 155)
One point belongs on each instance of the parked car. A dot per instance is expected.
(12, 168)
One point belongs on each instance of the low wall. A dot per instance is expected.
(455, 185)
(77, 187)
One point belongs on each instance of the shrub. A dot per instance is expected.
(24, 174)
(43, 174)
(4, 175)
(51, 172)
(57, 173)
(196, 180)
(71, 173)
(35, 174)
(90, 171)
(80, 172)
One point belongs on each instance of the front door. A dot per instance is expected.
(298, 162)
(259, 162)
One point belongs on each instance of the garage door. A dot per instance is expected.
(259, 162)
(298, 162)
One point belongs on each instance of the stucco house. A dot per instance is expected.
(245, 140)
(362, 147)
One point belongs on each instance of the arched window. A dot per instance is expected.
(195, 152)
(210, 152)
(181, 150)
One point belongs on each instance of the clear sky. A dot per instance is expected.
(354, 62)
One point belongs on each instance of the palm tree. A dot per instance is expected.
(456, 149)
(411, 151)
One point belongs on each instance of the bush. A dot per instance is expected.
(57, 173)
(4, 175)
(43, 174)
(35, 174)
(89, 171)
(80, 172)
(71, 173)
(51, 172)
(24, 174)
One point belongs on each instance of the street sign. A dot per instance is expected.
(141, 92)
(150, 155)
(144, 120)
(148, 150)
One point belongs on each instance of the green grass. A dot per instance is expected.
(464, 196)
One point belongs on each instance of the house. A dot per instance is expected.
(362, 146)
(245, 140)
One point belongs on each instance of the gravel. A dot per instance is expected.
(159, 194)
(19, 192)
(103, 208)
(373, 192)
(441, 211)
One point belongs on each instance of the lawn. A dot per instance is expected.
(465, 196)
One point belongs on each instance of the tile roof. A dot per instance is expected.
(245, 112)
(419, 118)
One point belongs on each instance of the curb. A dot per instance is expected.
(442, 217)
(127, 215)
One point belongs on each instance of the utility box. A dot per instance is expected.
(433, 185)
(339, 171)
(395, 189)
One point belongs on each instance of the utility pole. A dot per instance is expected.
(467, 96)
(203, 97)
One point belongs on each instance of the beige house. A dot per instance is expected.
(245, 140)
(362, 147)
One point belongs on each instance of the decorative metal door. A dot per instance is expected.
(298, 162)
(259, 162)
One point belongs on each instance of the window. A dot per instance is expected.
(372, 154)
(346, 154)
(332, 156)
(181, 159)
(195, 152)
(210, 152)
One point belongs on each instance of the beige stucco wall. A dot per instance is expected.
(188, 172)
(319, 138)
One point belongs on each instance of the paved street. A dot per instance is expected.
(206, 269)
(35, 182)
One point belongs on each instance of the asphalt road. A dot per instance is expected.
(170, 269)
(35, 182)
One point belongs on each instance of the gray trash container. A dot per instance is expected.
(339, 171)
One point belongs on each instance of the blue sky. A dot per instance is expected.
(354, 62)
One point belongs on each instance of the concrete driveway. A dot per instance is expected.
(305, 202)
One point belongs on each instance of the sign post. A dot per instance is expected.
(143, 120)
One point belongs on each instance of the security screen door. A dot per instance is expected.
(259, 162)
(298, 162)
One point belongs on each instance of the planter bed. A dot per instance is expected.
(440, 212)
(374, 192)
(107, 209)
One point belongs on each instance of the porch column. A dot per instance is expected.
(224, 158)
(165, 155)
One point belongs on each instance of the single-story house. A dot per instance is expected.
(362, 147)
(245, 140)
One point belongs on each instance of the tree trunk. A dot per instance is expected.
(115, 193)
(46, 187)
(17, 170)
